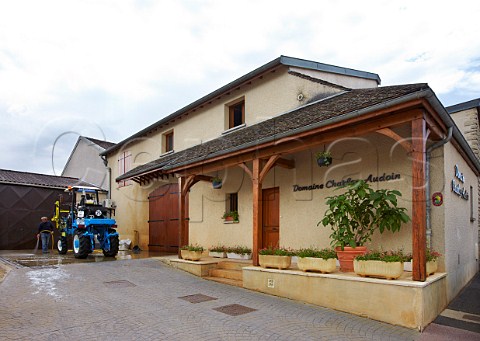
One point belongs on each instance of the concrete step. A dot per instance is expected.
(226, 273)
(231, 265)
(225, 281)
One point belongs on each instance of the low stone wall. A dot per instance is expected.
(198, 268)
(401, 302)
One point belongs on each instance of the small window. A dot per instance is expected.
(124, 165)
(237, 114)
(169, 142)
(232, 202)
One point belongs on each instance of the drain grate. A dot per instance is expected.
(119, 284)
(234, 309)
(197, 298)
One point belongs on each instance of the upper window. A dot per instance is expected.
(169, 141)
(236, 114)
(124, 165)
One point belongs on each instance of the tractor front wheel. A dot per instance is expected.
(62, 247)
(81, 245)
(113, 246)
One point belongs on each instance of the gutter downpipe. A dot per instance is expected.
(427, 181)
(109, 172)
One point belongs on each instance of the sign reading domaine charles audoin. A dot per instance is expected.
(335, 183)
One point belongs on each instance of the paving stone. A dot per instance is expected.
(73, 302)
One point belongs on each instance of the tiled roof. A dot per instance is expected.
(103, 144)
(283, 125)
(282, 60)
(38, 180)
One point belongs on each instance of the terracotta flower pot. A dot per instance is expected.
(346, 256)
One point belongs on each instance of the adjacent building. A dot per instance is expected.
(85, 163)
(24, 199)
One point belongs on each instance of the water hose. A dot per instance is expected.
(38, 237)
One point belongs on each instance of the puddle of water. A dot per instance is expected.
(53, 258)
(47, 280)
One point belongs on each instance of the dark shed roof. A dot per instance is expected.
(289, 123)
(282, 60)
(38, 180)
(103, 144)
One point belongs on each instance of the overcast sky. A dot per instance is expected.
(107, 69)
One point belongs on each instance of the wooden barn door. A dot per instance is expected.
(163, 219)
(271, 217)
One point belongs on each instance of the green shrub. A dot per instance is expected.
(317, 253)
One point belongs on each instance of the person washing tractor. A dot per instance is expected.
(45, 230)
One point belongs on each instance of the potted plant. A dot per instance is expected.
(431, 257)
(216, 183)
(191, 252)
(217, 251)
(324, 158)
(230, 216)
(239, 252)
(324, 260)
(381, 264)
(356, 214)
(275, 257)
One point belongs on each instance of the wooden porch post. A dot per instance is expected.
(182, 234)
(257, 210)
(419, 136)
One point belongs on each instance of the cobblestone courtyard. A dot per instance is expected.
(146, 300)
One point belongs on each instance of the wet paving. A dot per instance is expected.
(37, 259)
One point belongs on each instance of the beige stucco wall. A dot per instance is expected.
(409, 304)
(301, 211)
(335, 78)
(460, 233)
(273, 94)
(86, 164)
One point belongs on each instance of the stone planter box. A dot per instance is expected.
(191, 255)
(317, 264)
(277, 262)
(376, 268)
(432, 267)
(217, 254)
(232, 255)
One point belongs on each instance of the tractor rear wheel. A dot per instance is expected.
(113, 246)
(81, 245)
(62, 247)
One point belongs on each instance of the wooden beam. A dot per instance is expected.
(182, 235)
(257, 211)
(204, 178)
(270, 163)
(284, 163)
(419, 199)
(393, 135)
(246, 169)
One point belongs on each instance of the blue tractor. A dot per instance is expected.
(85, 224)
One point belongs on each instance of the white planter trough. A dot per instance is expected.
(217, 254)
(232, 255)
